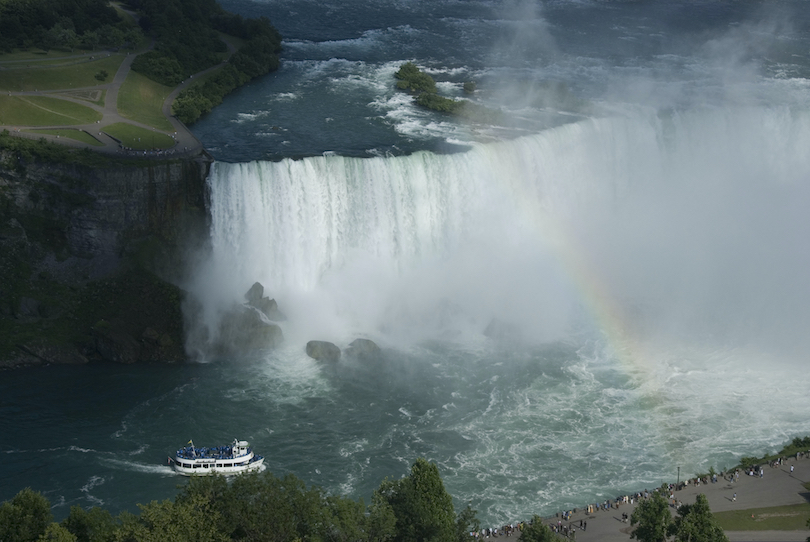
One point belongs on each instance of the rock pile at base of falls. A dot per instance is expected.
(360, 349)
(323, 351)
(255, 298)
(249, 327)
(364, 350)
(499, 330)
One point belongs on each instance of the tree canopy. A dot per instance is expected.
(422, 507)
(695, 523)
(651, 519)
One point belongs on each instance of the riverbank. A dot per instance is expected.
(779, 486)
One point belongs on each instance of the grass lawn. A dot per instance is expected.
(141, 99)
(69, 133)
(80, 74)
(43, 111)
(36, 55)
(139, 138)
(779, 518)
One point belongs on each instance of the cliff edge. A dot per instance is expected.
(90, 258)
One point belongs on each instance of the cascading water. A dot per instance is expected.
(641, 259)
(427, 244)
(642, 245)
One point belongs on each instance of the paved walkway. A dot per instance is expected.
(778, 487)
(186, 144)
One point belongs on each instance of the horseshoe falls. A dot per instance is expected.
(594, 281)
(647, 268)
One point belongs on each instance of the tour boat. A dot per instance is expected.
(231, 459)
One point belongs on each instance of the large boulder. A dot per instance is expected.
(502, 331)
(255, 293)
(255, 298)
(323, 351)
(269, 307)
(364, 350)
(243, 330)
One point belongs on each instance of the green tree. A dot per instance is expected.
(537, 531)
(413, 79)
(189, 521)
(695, 523)
(651, 519)
(56, 533)
(25, 517)
(421, 505)
(94, 525)
(467, 522)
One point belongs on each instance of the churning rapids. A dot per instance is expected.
(638, 225)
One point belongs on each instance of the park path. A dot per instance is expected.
(778, 487)
(185, 142)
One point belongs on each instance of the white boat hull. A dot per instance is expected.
(209, 468)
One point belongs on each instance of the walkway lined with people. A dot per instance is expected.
(779, 485)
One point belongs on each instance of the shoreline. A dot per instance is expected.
(778, 487)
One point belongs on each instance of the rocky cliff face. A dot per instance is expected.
(88, 255)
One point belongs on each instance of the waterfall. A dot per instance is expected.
(688, 214)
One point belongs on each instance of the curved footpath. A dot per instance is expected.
(186, 144)
(778, 487)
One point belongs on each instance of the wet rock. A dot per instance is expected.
(54, 353)
(255, 293)
(243, 330)
(502, 331)
(323, 351)
(116, 345)
(364, 350)
(269, 307)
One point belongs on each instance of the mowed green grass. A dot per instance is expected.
(43, 111)
(78, 135)
(778, 518)
(141, 99)
(81, 74)
(139, 138)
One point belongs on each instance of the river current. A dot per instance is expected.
(630, 216)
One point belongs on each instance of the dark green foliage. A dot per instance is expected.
(651, 519)
(422, 506)
(187, 43)
(537, 531)
(467, 522)
(412, 79)
(56, 533)
(469, 87)
(60, 23)
(25, 517)
(438, 103)
(257, 57)
(695, 523)
(262, 507)
(190, 520)
(102, 75)
(160, 67)
(94, 525)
